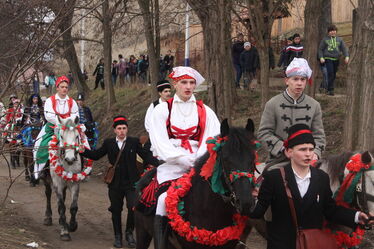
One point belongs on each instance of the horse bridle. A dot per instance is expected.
(232, 198)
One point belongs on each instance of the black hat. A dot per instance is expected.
(163, 84)
(299, 134)
(119, 120)
(80, 96)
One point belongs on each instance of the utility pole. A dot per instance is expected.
(187, 41)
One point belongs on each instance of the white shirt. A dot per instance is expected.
(183, 115)
(147, 119)
(120, 142)
(62, 106)
(302, 183)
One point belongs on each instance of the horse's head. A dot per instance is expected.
(68, 136)
(238, 160)
(366, 199)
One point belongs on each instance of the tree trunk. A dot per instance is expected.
(312, 13)
(107, 19)
(152, 36)
(216, 22)
(263, 53)
(70, 53)
(359, 122)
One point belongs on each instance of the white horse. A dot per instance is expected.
(65, 172)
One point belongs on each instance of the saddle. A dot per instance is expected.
(149, 190)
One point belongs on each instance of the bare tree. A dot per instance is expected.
(312, 27)
(150, 11)
(261, 16)
(359, 122)
(215, 18)
(66, 9)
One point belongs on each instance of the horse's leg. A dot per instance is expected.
(60, 189)
(12, 157)
(18, 155)
(143, 237)
(26, 164)
(48, 192)
(73, 225)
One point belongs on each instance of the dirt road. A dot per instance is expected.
(94, 222)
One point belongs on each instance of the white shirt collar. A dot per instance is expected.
(191, 100)
(117, 140)
(307, 176)
(58, 97)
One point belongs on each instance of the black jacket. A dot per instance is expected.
(293, 51)
(236, 50)
(249, 60)
(311, 210)
(126, 174)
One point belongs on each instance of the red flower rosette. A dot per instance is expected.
(179, 189)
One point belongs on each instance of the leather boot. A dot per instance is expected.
(160, 232)
(131, 243)
(117, 227)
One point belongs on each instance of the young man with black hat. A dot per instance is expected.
(164, 90)
(288, 108)
(125, 176)
(310, 190)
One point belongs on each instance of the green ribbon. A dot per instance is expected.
(42, 153)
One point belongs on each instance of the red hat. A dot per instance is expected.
(62, 79)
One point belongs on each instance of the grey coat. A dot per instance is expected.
(280, 113)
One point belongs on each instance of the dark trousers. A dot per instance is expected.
(116, 197)
(99, 79)
(238, 70)
(332, 68)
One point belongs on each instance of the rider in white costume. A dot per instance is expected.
(179, 136)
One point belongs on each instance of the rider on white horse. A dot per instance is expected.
(60, 105)
(178, 131)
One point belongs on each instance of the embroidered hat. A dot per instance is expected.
(163, 84)
(62, 79)
(180, 73)
(299, 134)
(119, 120)
(299, 67)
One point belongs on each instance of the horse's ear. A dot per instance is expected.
(250, 126)
(224, 128)
(366, 157)
(76, 120)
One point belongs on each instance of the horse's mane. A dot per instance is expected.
(336, 163)
(239, 140)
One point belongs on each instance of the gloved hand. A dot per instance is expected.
(185, 160)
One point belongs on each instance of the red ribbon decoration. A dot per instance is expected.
(285, 143)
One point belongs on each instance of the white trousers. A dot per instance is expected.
(161, 207)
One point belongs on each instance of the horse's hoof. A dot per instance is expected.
(73, 227)
(47, 221)
(65, 237)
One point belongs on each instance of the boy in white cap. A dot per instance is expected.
(288, 108)
(178, 131)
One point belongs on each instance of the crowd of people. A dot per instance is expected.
(246, 60)
(132, 69)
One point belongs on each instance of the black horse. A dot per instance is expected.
(204, 208)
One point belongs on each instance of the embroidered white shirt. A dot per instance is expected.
(120, 142)
(302, 183)
(62, 106)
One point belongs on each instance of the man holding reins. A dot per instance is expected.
(178, 132)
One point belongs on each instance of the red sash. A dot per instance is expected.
(70, 105)
(187, 134)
